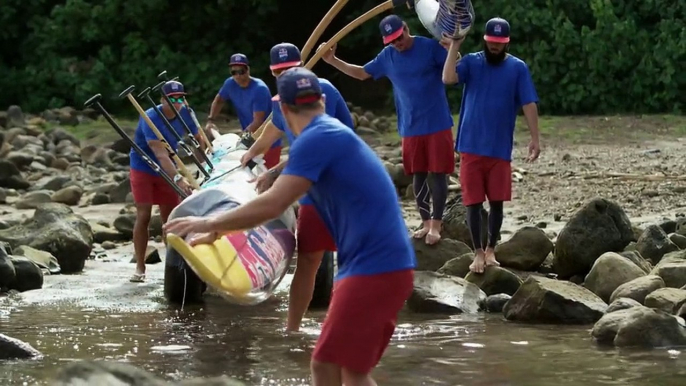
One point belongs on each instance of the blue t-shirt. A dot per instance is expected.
(335, 107)
(491, 98)
(420, 96)
(256, 97)
(355, 198)
(144, 134)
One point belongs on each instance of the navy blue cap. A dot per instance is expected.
(173, 88)
(284, 55)
(391, 28)
(238, 60)
(298, 85)
(497, 31)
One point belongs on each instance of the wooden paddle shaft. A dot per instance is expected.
(182, 168)
(385, 6)
(201, 130)
(321, 27)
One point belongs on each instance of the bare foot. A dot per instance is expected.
(479, 262)
(490, 257)
(418, 234)
(434, 234)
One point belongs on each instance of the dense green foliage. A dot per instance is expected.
(586, 56)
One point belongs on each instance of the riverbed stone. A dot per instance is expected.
(8, 273)
(654, 243)
(609, 272)
(495, 280)
(496, 303)
(29, 275)
(621, 304)
(600, 226)
(672, 269)
(433, 257)
(666, 299)
(638, 288)
(525, 250)
(438, 293)
(12, 348)
(540, 299)
(636, 258)
(55, 228)
(640, 326)
(455, 222)
(458, 266)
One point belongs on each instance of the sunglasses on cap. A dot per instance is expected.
(238, 72)
(177, 99)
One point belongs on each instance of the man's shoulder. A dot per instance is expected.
(260, 83)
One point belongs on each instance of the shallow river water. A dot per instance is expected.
(99, 315)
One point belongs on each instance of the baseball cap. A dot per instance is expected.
(497, 31)
(238, 60)
(391, 28)
(298, 85)
(173, 88)
(284, 55)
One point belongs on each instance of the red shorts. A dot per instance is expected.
(151, 189)
(361, 319)
(484, 177)
(272, 157)
(431, 153)
(312, 234)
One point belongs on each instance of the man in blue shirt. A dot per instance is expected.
(413, 64)
(252, 100)
(347, 182)
(148, 187)
(496, 86)
(313, 238)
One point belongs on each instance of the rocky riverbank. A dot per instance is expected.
(588, 239)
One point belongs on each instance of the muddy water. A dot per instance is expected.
(99, 315)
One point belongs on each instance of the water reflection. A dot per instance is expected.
(249, 343)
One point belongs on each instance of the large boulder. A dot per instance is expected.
(437, 293)
(599, 226)
(638, 288)
(12, 348)
(495, 280)
(433, 257)
(609, 272)
(526, 250)
(455, 222)
(56, 229)
(541, 299)
(654, 243)
(641, 327)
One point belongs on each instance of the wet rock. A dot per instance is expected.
(152, 256)
(8, 274)
(672, 269)
(654, 243)
(433, 257)
(44, 260)
(458, 266)
(437, 293)
(553, 301)
(622, 304)
(496, 303)
(599, 226)
(124, 225)
(547, 265)
(55, 228)
(668, 300)
(525, 250)
(106, 373)
(10, 177)
(678, 240)
(119, 193)
(32, 200)
(638, 289)
(609, 272)
(637, 259)
(640, 327)
(12, 348)
(668, 226)
(70, 195)
(28, 274)
(455, 222)
(102, 234)
(495, 280)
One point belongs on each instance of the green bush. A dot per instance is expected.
(586, 56)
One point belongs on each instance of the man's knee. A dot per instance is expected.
(143, 214)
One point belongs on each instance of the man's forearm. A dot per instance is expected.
(450, 65)
(351, 70)
(531, 115)
(254, 125)
(268, 136)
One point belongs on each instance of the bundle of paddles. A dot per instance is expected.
(246, 266)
